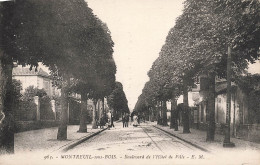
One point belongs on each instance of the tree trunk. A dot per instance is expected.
(211, 107)
(176, 114)
(100, 109)
(83, 114)
(62, 130)
(152, 114)
(161, 113)
(172, 117)
(185, 113)
(173, 114)
(103, 106)
(94, 123)
(164, 114)
(234, 115)
(6, 109)
(149, 114)
(6, 99)
(158, 113)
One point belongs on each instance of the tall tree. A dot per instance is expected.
(56, 33)
(117, 100)
(212, 27)
(95, 79)
(6, 65)
(200, 38)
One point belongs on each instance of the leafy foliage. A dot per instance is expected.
(117, 99)
(26, 108)
(198, 42)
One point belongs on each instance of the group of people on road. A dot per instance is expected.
(125, 120)
(134, 119)
(108, 120)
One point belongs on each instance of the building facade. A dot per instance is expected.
(39, 79)
(241, 123)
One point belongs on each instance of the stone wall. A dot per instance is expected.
(21, 126)
(249, 132)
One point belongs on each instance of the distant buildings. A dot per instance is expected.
(42, 80)
(245, 118)
(39, 79)
(245, 108)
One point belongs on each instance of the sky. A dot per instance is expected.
(254, 68)
(138, 29)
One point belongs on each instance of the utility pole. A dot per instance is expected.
(227, 142)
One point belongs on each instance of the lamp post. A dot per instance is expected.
(227, 142)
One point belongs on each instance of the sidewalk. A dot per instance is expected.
(45, 140)
(198, 138)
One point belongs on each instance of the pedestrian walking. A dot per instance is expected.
(126, 120)
(109, 119)
(112, 121)
(123, 120)
(139, 118)
(135, 118)
(132, 117)
(102, 122)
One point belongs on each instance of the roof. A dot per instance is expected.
(24, 71)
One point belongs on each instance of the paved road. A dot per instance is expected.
(134, 140)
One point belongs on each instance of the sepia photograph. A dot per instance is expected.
(123, 82)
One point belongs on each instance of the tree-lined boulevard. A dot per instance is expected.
(67, 38)
(144, 144)
(206, 40)
(208, 50)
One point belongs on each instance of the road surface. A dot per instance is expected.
(135, 141)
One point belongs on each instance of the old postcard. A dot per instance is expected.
(129, 82)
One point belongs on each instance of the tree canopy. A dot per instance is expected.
(66, 37)
(198, 42)
(117, 99)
